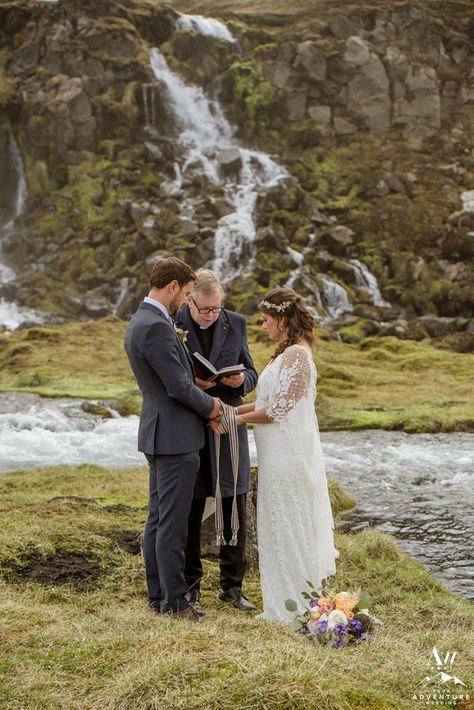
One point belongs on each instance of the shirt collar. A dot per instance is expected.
(157, 304)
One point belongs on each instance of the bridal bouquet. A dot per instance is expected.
(339, 619)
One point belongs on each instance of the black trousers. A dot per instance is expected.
(232, 560)
(172, 480)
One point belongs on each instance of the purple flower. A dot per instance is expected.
(322, 627)
(304, 631)
(313, 602)
(340, 630)
(355, 625)
(337, 643)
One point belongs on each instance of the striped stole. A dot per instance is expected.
(230, 425)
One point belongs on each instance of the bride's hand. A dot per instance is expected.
(216, 426)
(239, 420)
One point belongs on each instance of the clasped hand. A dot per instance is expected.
(216, 423)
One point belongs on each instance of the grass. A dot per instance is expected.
(88, 642)
(381, 383)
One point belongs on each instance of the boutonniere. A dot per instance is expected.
(182, 334)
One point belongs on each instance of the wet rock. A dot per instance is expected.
(284, 76)
(153, 153)
(337, 239)
(343, 127)
(418, 113)
(343, 27)
(187, 227)
(230, 162)
(437, 326)
(295, 102)
(201, 253)
(357, 51)
(368, 95)
(96, 306)
(311, 59)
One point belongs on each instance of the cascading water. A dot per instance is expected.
(205, 136)
(366, 281)
(11, 315)
(335, 297)
(204, 26)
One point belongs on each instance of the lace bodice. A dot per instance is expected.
(286, 382)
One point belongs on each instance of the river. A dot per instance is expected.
(417, 487)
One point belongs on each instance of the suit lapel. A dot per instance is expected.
(183, 321)
(154, 309)
(221, 328)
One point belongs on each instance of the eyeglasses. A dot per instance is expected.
(206, 311)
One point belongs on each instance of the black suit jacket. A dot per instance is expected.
(171, 420)
(229, 347)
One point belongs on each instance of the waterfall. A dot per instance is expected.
(149, 103)
(366, 281)
(208, 142)
(335, 296)
(21, 193)
(12, 315)
(204, 26)
(467, 199)
(302, 274)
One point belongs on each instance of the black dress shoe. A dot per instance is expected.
(235, 597)
(193, 596)
(188, 614)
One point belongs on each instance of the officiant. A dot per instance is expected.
(220, 336)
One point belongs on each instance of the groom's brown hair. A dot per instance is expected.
(171, 269)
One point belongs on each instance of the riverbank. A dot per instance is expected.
(379, 383)
(75, 631)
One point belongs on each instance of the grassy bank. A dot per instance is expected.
(378, 383)
(75, 633)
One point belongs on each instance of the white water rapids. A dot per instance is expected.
(12, 315)
(416, 487)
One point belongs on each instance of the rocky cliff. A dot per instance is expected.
(370, 112)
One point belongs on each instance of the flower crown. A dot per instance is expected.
(279, 307)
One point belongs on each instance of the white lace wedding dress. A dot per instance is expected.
(294, 518)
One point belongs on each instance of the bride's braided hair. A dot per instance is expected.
(291, 312)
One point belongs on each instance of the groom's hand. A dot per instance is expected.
(216, 410)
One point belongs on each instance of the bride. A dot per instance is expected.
(294, 518)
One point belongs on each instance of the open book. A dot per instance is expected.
(205, 370)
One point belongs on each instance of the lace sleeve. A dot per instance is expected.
(293, 385)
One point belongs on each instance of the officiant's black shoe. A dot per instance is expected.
(188, 614)
(235, 597)
(193, 596)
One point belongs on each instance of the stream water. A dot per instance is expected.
(415, 487)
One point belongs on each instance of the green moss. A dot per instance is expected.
(256, 96)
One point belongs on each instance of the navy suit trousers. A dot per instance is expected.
(172, 480)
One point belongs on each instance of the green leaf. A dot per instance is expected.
(291, 605)
(310, 584)
(364, 601)
(296, 625)
(305, 595)
(315, 594)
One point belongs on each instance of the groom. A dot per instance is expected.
(170, 433)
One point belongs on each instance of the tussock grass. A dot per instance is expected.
(96, 647)
(381, 383)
